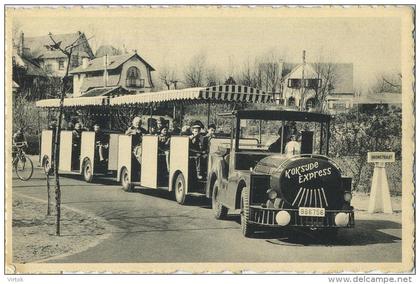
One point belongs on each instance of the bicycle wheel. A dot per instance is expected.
(24, 167)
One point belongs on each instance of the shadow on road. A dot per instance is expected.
(366, 232)
(197, 200)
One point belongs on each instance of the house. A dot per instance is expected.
(53, 61)
(101, 76)
(331, 82)
(373, 100)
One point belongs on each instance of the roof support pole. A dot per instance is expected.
(208, 114)
(321, 138)
(282, 136)
(328, 137)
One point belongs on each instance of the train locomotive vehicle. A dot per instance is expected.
(81, 158)
(278, 189)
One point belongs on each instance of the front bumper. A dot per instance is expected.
(267, 217)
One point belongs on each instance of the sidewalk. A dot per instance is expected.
(34, 236)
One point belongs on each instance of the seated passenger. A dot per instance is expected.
(76, 140)
(164, 140)
(186, 130)
(152, 126)
(197, 150)
(210, 135)
(276, 145)
(175, 127)
(101, 142)
(137, 132)
(292, 147)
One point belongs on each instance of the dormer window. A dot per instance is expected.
(133, 78)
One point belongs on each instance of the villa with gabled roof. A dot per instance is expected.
(126, 73)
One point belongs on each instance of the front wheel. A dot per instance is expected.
(219, 210)
(246, 227)
(24, 167)
(180, 189)
(87, 171)
(126, 181)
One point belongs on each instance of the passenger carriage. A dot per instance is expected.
(82, 159)
(179, 176)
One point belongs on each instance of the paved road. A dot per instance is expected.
(151, 227)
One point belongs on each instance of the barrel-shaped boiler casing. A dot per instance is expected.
(304, 181)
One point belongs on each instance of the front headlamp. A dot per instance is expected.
(347, 196)
(272, 194)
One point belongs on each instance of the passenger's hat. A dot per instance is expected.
(212, 125)
(197, 124)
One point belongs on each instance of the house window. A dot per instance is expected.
(61, 64)
(74, 61)
(294, 83)
(312, 83)
(133, 78)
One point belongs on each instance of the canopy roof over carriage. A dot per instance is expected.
(74, 102)
(279, 115)
(215, 94)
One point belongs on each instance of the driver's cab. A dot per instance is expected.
(284, 133)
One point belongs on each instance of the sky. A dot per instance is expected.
(372, 44)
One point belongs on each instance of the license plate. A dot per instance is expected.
(312, 211)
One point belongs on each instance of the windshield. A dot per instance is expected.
(266, 135)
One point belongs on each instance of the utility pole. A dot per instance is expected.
(66, 51)
(302, 82)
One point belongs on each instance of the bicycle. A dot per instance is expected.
(22, 164)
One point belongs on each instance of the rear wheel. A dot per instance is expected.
(246, 227)
(88, 171)
(219, 210)
(126, 181)
(180, 189)
(24, 167)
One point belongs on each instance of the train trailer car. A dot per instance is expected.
(280, 189)
(82, 157)
(172, 170)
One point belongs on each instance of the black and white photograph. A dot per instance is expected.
(209, 139)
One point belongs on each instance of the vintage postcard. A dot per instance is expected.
(209, 139)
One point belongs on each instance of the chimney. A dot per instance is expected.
(85, 62)
(105, 70)
(21, 47)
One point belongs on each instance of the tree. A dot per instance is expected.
(68, 52)
(168, 77)
(327, 73)
(195, 72)
(107, 50)
(387, 83)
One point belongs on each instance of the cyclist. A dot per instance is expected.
(19, 136)
(19, 140)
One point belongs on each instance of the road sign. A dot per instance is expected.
(380, 198)
(381, 157)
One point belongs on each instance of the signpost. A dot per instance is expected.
(380, 198)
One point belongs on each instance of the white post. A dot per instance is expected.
(380, 197)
